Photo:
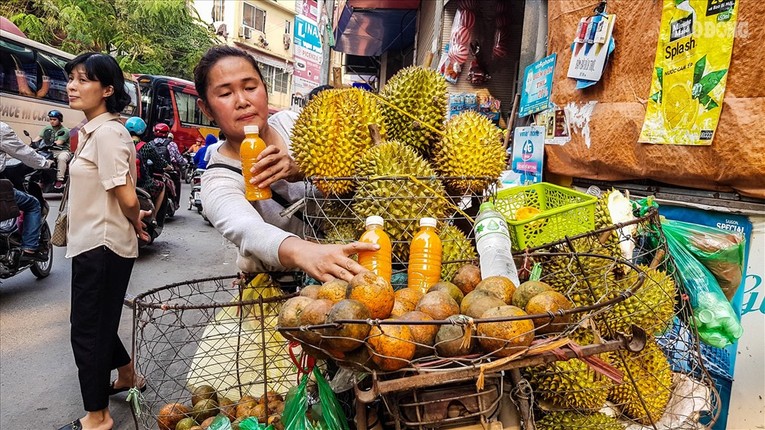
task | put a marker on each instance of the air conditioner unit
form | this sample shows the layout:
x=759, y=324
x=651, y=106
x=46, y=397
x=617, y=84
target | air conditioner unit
x=247, y=33
x=263, y=41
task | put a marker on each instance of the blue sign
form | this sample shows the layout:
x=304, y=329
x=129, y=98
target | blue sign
x=307, y=34
x=537, y=86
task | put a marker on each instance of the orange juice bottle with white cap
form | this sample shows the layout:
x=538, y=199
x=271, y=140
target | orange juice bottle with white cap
x=425, y=257
x=378, y=262
x=251, y=147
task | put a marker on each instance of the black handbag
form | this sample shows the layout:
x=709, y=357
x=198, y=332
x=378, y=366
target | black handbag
x=8, y=207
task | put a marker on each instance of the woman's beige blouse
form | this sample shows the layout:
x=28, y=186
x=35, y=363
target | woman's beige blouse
x=104, y=158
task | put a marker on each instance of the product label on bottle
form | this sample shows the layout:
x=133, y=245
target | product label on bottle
x=490, y=225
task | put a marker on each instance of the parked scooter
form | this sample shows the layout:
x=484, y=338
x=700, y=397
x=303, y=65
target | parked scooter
x=10, y=239
x=195, y=197
x=188, y=170
x=46, y=177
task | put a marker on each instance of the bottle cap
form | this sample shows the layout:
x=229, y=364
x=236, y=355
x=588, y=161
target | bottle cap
x=486, y=206
x=706, y=316
x=428, y=222
x=375, y=220
x=251, y=129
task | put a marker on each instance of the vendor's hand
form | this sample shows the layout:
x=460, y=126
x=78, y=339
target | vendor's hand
x=48, y=164
x=274, y=163
x=140, y=227
x=324, y=262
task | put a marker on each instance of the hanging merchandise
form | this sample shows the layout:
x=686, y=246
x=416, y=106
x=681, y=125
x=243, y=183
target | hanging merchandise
x=592, y=46
x=457, y=49
x=556, y=125
x=477, y=74
x=537, y=86
x=528, y=154
x=690, y=71
x=501, y=30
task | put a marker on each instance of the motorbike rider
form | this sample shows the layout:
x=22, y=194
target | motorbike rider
x=149, y=162
x=59, y=136
x=12, y=146
x=165, y=147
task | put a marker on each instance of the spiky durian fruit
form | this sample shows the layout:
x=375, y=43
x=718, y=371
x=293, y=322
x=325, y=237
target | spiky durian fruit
x=647, y=375
x=471, y=147
x=568, y=420
x=652, y=307
x=421, y=93
x=343, y=232
x=400, y=186
x=456, y=251
x=331, y=134
x=570, y=384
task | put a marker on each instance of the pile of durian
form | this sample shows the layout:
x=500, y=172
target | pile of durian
x=420, y=166
x=576, y=393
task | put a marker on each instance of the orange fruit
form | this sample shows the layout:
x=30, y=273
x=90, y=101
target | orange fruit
x=467, y=277
x=549, y=301
x=375, y=292
x=423, y=335
x=348, y=336
x=392, y=346
x=508, y=337
x=439, y=305
x=334, y=290
x=498, y=285
x=406, y=301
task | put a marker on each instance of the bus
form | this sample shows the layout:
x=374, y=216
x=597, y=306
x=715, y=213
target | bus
x=33, y=82
x=174, y=102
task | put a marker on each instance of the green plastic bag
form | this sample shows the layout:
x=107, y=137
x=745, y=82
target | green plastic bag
x=720, y=251
x=713, y=315
x=326, y=415
x=253, y=424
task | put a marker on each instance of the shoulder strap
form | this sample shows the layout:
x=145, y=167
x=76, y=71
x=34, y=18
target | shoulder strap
x=139, y=145
x=278, y=198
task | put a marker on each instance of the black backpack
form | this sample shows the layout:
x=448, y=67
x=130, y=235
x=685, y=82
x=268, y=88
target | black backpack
x=160, y=145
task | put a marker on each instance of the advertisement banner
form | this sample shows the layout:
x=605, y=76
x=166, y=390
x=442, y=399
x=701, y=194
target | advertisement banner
x=308, y=60
x=690, y=71
x=528, y=154
x=537, y=86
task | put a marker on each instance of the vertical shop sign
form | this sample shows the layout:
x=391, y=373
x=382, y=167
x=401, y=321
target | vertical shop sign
x=690, y=71
x=537, y=86
x=308, y=59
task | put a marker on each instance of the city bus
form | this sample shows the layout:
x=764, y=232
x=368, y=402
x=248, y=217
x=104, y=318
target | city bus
x=33, y=82
x=174, y=102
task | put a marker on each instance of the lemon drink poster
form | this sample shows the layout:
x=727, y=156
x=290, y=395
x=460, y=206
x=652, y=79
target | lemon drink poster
x=690, y=70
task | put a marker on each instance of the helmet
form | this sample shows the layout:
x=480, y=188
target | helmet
x=135, y=125
x=56, y=114
x=161, y=129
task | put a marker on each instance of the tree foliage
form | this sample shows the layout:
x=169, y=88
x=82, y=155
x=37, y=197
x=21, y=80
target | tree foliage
x=145, y=36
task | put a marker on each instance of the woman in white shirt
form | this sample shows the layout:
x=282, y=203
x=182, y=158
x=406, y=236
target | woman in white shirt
x=233, y=94
x=104, y=225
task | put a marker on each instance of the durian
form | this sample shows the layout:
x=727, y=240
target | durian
x=652, y=307
x=456, y=251
x=331, y=134
x=470, y=155
x=570, y=384
x=568, y=420
x=400, y=186
x=647, y=375
x=421, y=93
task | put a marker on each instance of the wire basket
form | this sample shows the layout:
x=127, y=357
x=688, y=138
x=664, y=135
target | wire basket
x=402, y=201
x=556, y=212
x=664, y=386
x=217, y=332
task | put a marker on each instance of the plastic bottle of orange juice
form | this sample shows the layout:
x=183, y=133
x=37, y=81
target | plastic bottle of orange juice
x=425, y=256
x=251, y=147
x=378, y=262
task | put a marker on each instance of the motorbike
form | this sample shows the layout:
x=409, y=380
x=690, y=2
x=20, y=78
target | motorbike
x=153, y=227
x=195, y=197
x=46, y=177
x=188, y=170
x=10, y=239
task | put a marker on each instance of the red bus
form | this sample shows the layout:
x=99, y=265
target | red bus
x=174, y=102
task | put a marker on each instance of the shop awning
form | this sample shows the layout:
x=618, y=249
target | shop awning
x=372, y=31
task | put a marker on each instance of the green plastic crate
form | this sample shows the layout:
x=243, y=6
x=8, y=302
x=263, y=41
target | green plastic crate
x=563, y=212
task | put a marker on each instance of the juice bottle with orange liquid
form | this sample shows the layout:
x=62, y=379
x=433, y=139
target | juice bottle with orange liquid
x=251, y=147
x=425, y=257
x=378, y=262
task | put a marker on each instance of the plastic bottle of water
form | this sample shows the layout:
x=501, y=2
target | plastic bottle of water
x=493, y=243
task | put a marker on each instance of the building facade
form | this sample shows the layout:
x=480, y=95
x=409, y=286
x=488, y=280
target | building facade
x=263, y=28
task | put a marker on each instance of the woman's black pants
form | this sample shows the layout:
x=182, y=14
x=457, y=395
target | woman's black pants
x=99, y=282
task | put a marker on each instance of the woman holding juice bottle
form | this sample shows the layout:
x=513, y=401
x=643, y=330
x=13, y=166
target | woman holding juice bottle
x=233, y=94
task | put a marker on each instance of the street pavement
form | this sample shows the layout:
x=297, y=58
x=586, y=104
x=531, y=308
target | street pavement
x=38, y=378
